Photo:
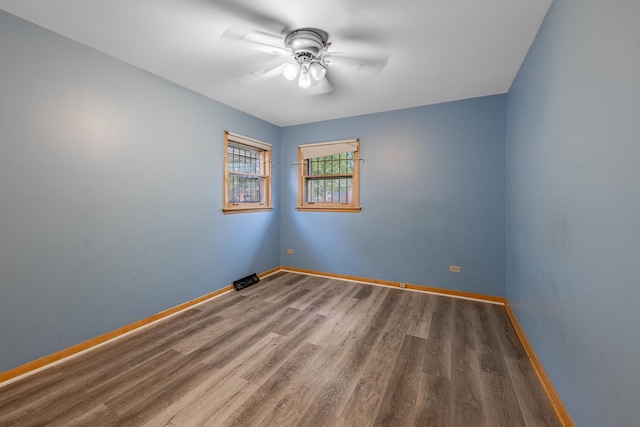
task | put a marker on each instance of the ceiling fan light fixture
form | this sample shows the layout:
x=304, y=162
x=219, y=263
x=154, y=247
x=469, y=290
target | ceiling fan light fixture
x=317, y=71
x=291, y=70
x=304, y=82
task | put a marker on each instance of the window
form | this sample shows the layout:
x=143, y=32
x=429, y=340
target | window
x=328, y=176
x=247, y=174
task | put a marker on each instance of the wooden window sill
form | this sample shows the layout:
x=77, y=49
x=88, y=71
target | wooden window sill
x=328, y=209
x=246, y=210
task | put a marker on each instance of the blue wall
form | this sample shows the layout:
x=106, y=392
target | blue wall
x=111, y=181
x=573, y=233
x=432, y=193
x=110, y=195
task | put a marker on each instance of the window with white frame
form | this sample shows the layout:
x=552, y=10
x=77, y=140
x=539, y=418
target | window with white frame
x=247, y=174
x=328, y=176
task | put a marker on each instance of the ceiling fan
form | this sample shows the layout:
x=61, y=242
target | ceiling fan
x=308, y=46
x=305, y=54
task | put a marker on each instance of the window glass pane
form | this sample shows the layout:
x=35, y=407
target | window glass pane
x=327, y=190
x=244, y=160
x=329, y=165
x=246, y=189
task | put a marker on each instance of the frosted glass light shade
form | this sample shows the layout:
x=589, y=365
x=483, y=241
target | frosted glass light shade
x=317, y=71
x=305, y=80
x=290, y=71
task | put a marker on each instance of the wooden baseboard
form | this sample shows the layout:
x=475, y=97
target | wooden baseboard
x=269, y=272
x=556, y=402
x=458, y=294
x=440, y=291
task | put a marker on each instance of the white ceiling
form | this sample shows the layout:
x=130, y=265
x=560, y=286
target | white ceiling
x=438, y=50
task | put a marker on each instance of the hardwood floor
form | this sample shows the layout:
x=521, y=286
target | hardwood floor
x=298, y=350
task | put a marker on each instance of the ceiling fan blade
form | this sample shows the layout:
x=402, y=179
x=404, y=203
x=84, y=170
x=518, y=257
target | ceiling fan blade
x=322, y=87
x=266, y=72
x=357, y=63
x=366, y=36
x=259, y=40
x=250, y=17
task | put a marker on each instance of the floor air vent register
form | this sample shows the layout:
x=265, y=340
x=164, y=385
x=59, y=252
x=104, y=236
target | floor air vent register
x=245, y=282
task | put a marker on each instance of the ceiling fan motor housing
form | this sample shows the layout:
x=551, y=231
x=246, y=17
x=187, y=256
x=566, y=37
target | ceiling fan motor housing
x=306, y=44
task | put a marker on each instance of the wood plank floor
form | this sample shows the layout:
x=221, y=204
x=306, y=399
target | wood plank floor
x=298, y=350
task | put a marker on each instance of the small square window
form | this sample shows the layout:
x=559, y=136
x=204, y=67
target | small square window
x=328, y=176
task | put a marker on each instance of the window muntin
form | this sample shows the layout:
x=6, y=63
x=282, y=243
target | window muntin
x=247, y=174
x=329, y=181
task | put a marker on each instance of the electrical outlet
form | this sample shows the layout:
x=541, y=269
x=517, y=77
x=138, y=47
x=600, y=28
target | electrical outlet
x=454, y=268
x=290, y=251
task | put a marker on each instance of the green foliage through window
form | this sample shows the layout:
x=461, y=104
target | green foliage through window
x=325, y=183
x=330, y=165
